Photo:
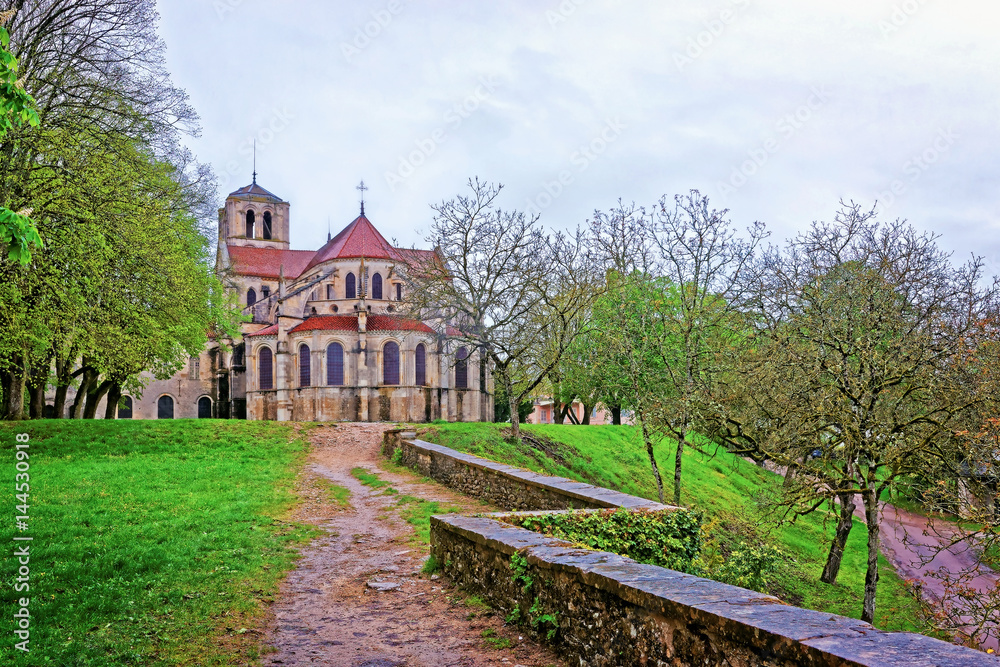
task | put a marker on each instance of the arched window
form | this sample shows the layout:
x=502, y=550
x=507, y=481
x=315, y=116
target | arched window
x=125, y=407
x=265, y=369
x=250, y=218
x=351, y=288
x=204, y=408
x=165, y=408
x=461, y=369
x=265, y=291
x=377, y=286
x=251, y=296
x=335, y=364
x=421, y=365
x=305, y=366
x=390, y=363
x=267, y=225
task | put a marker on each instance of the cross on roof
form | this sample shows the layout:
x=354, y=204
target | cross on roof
x=361, y=188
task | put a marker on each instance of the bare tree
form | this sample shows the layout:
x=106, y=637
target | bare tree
x=505, y=287
x=857, y=371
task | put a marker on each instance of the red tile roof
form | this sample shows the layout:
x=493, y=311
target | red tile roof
x=266, y=262
x=358, y=239
x=350, y=323
x=393, y=323
x=327, y=323
x=266, y=331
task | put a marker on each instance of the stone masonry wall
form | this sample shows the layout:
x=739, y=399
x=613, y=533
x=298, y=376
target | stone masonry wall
x=600, y=609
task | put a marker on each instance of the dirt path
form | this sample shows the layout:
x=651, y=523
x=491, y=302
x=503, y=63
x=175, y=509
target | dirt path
x=330, y=611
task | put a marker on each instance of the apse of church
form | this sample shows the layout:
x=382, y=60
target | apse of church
x=326, y=339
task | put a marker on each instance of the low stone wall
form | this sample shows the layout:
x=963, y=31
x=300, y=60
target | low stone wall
x=501, y=485
x=600, y=609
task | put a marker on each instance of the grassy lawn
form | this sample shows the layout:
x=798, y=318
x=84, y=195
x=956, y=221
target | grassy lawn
x=614, y=457
x=155, y=542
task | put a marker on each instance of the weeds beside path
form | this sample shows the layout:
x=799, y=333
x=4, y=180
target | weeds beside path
x=357, y=597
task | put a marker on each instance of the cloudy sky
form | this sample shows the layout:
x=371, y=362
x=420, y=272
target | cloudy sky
x=776, y=109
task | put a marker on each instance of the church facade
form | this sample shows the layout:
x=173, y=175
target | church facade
x=326, y=338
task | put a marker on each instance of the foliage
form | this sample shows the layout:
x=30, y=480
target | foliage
x=669, y=539
x=154, y=542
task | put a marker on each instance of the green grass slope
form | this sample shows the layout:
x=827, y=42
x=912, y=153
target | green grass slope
x=614, y=457
x=155, y=542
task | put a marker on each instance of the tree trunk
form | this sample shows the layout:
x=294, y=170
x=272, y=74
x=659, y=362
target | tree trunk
x=94, y=398
x=14, y=394
x=114, y=395
x=677, y=467
x=652, y=458
x=59, y=404
x=560, y=410
x=871, y=575
x=844, y=525
x=586, y=414
x=616, y=415
x=64, y=375
x=515, y=416
x=88, y=379
x=37, y=383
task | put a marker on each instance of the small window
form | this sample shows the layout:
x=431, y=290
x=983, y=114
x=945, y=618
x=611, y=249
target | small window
x=194, y=369
x=305, y=366
x=204, y=408
x=335, y=364
x=377, y=286
x=251, y=296
x=266, y=369
x=420, y=366
x=265, y=291
x=329, y=292
x=462, y=369
x=267, y=225
x=390, y=363
x=351, y=287
x=238, y=353
x=165, y=408
x=399, y=291
x=250, y=220
x=125, y=407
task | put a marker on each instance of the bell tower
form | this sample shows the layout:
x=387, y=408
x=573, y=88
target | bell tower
x=254, y=217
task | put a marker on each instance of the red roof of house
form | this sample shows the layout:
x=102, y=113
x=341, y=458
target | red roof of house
x=350, y=323
x=266, y=331
x=267, y=262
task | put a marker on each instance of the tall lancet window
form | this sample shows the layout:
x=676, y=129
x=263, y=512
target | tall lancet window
x=250, y=220
x=390, y=363
x=305, y=366
x=251, y=296
x=420, y=365
x=265, y=369
x=462, y=369
x=351, y=288
x=377, y=286
x=267, y=225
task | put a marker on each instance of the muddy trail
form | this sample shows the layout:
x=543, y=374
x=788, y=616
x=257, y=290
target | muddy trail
x=357, y=597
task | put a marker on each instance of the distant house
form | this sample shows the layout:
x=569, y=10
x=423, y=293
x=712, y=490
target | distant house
x=546, y=412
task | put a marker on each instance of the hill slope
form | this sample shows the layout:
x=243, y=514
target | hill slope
x=720, y=484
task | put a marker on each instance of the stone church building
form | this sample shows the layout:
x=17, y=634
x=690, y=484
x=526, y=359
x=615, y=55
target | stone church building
x=325, y=340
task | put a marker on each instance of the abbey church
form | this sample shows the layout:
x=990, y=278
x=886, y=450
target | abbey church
x=326, y=338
